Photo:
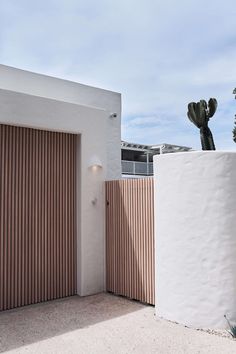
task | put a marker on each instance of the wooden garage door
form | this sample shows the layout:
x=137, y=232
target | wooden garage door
x=37, y=216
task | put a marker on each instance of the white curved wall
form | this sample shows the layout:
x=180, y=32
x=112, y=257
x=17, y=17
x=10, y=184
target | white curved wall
x=195, y=231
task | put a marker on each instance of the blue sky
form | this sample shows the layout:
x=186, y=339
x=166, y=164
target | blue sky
x=160, y=54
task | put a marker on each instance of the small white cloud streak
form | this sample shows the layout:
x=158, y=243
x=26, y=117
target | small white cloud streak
x=142, y=121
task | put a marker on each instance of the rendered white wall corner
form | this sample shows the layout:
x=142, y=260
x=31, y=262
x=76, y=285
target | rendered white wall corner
x=195, y=237
x=38, y=85
x=42, y=102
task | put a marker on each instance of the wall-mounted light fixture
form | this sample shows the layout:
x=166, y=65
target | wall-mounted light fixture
x=113, y=115
x=95, y=163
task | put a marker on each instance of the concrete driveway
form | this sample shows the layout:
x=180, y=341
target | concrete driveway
x=101, y=323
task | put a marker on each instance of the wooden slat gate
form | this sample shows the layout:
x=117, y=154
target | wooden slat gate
x=130, y=238
x=37, y=216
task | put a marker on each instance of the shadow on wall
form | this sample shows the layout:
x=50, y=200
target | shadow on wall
x=34, y=323
x=130, y=239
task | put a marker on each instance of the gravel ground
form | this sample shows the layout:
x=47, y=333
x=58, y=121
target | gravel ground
x=102, y=323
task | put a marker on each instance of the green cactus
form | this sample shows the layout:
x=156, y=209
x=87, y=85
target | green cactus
x=199, y=114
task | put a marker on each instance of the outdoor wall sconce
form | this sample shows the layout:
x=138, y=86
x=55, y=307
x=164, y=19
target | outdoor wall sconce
x=113, y=115
x=95, y=163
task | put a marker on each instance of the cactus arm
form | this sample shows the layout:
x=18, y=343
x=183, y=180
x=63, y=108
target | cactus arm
x=190, y=116
x=198, y=113
x=192, y=113
x=201, y=113
x=212, y=104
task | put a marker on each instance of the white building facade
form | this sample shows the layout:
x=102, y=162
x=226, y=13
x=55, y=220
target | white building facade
x=46, y=103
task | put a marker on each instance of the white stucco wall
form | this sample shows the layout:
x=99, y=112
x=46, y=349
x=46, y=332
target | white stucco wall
x=195, y=223
x=37, y=101
x=34, y=84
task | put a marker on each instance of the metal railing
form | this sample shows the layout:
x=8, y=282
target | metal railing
x=137, y=168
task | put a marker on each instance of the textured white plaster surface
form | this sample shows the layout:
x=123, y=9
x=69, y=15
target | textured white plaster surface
x=195, y=237
x=38, y=101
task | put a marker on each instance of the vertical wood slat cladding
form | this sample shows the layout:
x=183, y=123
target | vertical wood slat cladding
x=37, y=216
x=130, y=238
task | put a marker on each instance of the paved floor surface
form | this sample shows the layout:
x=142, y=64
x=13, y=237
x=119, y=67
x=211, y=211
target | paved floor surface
x=101, y=323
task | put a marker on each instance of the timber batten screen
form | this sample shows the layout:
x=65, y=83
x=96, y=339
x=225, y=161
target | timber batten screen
x=37, y=216
x=130, y=238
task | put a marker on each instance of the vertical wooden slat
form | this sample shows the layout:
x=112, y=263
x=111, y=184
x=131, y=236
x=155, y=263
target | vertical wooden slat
x=41, y=216
x=130, y=238
x=60, y=234
x=37, y=216
x=26, y=221
x=19, y=225
x=8, y=230
x=1, y=215
x=49, y=179
x=64, y=243
x=68, y=213
x=75, y=196
x=15, y=218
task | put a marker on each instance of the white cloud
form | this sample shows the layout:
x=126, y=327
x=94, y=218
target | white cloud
x=160, y=54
